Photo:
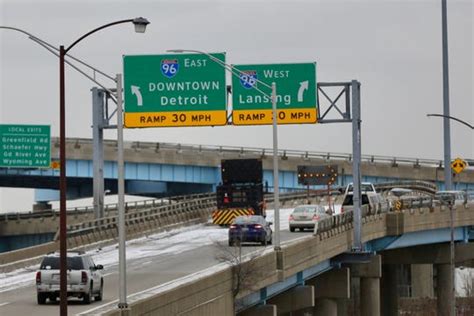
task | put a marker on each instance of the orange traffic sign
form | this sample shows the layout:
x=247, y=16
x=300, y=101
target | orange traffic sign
x=54, y=164
x=458, y=165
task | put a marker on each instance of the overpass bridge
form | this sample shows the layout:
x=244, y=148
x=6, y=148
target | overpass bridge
x=162, y=169
x=19, y=230
x=313, y=273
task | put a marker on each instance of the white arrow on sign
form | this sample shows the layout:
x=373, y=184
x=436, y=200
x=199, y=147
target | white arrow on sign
x=303, y=86
x=137, y=93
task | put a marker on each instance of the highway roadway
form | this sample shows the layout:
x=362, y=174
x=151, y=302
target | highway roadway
x=151, y=261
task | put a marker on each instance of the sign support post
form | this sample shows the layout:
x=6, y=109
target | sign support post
x=356, y=149
x=276, y=185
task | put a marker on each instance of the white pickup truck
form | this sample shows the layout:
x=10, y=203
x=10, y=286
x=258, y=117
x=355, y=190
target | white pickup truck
x=84, y=278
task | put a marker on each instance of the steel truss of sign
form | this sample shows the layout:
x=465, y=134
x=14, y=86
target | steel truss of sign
x=334, y=102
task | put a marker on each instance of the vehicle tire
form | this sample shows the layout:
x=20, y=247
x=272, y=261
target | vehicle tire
x=99, y=296
x=86, y=299
x=41, y=298
x=292, y=229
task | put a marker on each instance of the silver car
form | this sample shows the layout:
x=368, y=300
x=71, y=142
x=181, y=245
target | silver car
x=307, y=216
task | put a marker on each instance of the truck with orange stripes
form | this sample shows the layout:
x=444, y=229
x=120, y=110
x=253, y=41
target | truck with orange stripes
x=241, y=190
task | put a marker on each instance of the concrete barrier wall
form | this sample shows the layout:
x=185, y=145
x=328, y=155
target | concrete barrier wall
x=25, y=257
x=420, y=219
x=259, y=271
x=210, y=295
x=39, y=225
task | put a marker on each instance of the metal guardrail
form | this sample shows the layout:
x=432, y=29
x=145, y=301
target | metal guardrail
x=416, y=185
x=108, y=208
x=255, y=151
x=146, y=212
x=407, y=203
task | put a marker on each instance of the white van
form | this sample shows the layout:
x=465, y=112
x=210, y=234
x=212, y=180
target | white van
x=373, y=202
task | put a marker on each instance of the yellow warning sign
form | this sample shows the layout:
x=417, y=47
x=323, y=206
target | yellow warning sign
x=54, y=164
x=458, y=165
x=265, y=117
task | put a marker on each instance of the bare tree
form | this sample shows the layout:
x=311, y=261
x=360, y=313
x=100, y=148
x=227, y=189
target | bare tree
x=244, y=269
x=468, y=284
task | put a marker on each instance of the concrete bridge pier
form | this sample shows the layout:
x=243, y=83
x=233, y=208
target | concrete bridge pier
x=331, y=289
x=294, y=299
x=369, y=274
x=325, y=307
x=422, y=280
x=262, y=310
x=443, y=289
x=389, y=289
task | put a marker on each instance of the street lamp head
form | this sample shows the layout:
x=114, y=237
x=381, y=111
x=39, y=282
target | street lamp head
x=175, y=50
x=140, y=24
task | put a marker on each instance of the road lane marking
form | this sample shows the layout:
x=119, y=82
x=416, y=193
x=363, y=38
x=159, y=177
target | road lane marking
x=3, y=304
x=98, y=307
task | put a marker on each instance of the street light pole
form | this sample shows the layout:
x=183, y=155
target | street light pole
x=62, y=189
x=140, y=25
x=451, y=214
x=451, y=261
x=121, y=203
x=448, y=179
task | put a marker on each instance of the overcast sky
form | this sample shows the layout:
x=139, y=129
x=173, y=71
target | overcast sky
x=392, y=47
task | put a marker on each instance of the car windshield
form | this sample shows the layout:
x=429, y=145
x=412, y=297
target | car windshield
x=73, y=263
x=349, y=201
x=364, y=187
x=308, y=209
x=248, y=220
x=304, y=209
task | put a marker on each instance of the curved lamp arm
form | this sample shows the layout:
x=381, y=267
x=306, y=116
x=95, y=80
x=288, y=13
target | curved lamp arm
x=137, y=22
x=54, y=50
x=452, y=118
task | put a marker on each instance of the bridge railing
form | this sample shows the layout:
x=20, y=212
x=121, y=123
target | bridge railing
x=146, y=211
x=108, y=208
x=256, y=151
x=417, y=185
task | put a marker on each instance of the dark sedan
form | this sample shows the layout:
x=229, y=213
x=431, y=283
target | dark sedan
x=252, y=228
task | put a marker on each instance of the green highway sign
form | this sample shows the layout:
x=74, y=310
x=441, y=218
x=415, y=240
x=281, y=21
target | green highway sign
x=295, y=89
x=25, y=146
x=174, y=90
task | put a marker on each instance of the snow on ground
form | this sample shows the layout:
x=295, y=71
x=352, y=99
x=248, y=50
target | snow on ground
x=171, y=242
